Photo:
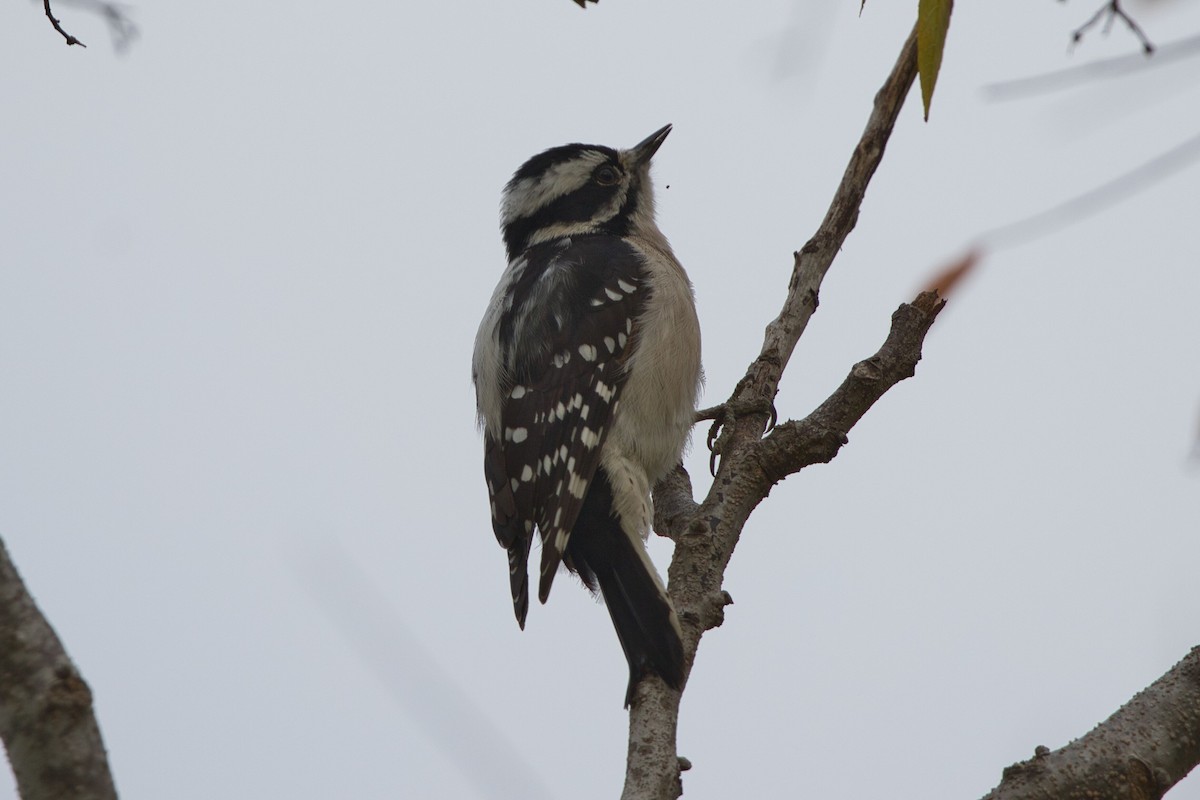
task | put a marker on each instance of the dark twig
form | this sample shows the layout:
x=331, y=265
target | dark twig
x=1110, y=12
x=115, y=15
x=120, y=27
x=49, y=15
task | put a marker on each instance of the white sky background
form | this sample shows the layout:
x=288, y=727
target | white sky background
x=241, y=271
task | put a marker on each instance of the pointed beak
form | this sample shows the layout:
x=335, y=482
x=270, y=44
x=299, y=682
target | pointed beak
x=643, y=151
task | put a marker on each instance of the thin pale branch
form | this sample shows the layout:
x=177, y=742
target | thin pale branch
x=46, y=718
x=813, y=260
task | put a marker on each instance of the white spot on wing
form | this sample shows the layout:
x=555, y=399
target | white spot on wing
x=589, y=438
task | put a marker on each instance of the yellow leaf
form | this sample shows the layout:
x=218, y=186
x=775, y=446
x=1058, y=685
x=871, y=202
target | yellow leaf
x=933, y=20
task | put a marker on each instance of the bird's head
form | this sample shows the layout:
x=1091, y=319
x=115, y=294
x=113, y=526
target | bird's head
x=578, y=189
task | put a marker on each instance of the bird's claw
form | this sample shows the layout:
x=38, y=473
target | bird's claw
x=723, y=417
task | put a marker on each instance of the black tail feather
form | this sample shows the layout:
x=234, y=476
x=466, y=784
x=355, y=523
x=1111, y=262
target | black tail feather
x=605, y=558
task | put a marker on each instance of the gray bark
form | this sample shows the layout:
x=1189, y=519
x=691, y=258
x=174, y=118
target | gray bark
x=705, y=535
x=46, y=719
x=1140, y=752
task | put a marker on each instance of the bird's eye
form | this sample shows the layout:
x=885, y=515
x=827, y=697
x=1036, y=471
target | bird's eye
x=607, y=175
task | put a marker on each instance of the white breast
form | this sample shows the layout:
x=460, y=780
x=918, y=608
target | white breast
x=658, y=401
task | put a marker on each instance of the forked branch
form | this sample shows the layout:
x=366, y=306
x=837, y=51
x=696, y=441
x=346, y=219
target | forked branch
x=706, y=534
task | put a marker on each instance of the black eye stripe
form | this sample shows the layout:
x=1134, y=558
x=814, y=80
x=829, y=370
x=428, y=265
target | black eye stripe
x=578, y=206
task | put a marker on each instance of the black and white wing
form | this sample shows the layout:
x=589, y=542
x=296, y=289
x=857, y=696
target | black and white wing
x=569, y=327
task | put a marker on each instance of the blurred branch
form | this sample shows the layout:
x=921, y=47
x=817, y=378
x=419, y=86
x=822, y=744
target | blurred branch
x=46, y=718
x=1104, y=68
x=376, y=632
x=1094, y=201
x=707, y=534
x=1141, y=751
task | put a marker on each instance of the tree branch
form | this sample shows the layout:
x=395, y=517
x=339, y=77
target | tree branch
x=1080, y=74
x=1141, y=751
x=706, y=535
x=46, y=718
x=817, y=438
x=813, y=260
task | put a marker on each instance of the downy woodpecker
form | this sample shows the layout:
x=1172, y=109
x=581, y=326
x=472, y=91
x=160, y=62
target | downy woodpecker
x=586, y=370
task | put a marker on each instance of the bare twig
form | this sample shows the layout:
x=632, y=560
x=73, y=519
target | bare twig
x=46, y=718
x=49, y=15
x=116, y=16
x=1110, y=12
